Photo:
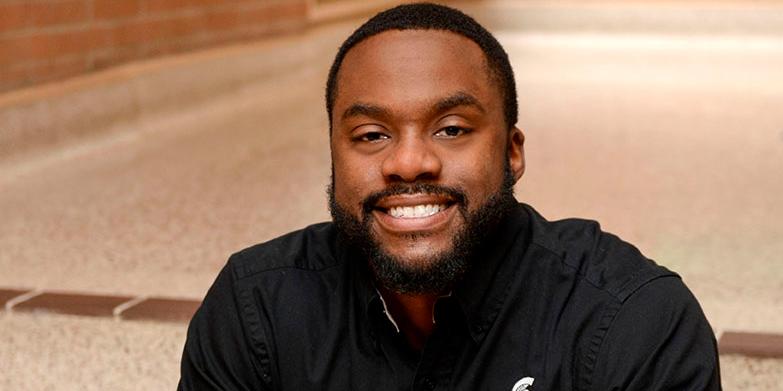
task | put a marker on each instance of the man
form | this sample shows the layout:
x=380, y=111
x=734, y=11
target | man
x=431, y=276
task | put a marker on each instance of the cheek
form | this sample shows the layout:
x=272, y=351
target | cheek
x=483, y=179
x=479, y=175
x=353, y=181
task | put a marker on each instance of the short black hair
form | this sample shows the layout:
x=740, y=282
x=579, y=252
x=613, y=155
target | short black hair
x=428, y=16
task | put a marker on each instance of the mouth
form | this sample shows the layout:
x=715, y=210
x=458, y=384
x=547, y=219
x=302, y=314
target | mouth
x=414, y=212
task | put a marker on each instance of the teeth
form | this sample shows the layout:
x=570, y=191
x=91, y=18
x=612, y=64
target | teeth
x=412, y=212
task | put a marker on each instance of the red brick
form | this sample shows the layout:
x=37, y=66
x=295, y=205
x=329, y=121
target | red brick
x=246, y=23
x=174, y=46
x=114, y=55
x=751, y=344
x=107, y=37
x=53, y=45
x=38, y=71
x=13, y=50
x=8, y=294
x=57, y=68
x=128, y=33
x=31, y=72
x=125, y=34
x=73, y=304
x=12, y=78
x=13, y=17
x=172, y=5
x=178, y=27
x=100, y=37
x=293, y=11
x=115, y=9
x=23, y=15
x=11, y=85
x=160, y=309
x=146, y=32
x=268, y=17
x=42, y=46
x=222, y=20
x=52, y=13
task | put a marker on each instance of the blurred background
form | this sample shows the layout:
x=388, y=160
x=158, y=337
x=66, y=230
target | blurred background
x=144, y=141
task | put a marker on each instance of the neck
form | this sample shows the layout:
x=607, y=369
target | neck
x=413, y=314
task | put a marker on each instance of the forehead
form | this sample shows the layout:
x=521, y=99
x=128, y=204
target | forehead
x=412, y=65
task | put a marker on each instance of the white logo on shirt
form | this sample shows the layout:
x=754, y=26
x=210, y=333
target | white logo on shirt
x=523, y=384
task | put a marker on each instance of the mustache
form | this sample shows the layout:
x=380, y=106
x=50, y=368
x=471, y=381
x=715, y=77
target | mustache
x=454, y=193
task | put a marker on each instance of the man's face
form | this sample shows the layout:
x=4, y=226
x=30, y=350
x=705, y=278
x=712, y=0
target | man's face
x=419, y=144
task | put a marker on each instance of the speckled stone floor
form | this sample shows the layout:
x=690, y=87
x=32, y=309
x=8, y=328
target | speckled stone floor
x=672, y=139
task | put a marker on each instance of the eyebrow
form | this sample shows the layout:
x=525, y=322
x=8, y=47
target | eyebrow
x=457, y=99
x=365, y=109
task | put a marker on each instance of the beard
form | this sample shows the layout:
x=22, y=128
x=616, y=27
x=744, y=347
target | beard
x=444, y=268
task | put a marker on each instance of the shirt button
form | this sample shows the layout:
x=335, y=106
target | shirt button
x=428, y=383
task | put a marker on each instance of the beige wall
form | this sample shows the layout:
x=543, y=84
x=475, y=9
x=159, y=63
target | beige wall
x=45, y=40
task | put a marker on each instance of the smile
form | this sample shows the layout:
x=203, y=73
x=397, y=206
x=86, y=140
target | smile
x=416, y=211
x=409, y=213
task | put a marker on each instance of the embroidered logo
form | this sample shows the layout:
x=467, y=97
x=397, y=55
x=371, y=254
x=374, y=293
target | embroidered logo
x=523, y=384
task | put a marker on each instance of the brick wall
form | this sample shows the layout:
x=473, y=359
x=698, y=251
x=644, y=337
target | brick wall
x=45, y=40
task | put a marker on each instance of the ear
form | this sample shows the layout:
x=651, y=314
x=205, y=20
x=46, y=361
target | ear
x=516, y=152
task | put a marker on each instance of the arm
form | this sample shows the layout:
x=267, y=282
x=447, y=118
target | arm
x=659, y=340
x=218, y=354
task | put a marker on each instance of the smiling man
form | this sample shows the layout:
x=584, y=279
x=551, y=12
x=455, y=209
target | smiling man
x=431, y=275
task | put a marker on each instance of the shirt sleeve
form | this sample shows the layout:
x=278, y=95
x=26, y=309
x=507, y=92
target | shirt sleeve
x=218, y=354
x=659, y=340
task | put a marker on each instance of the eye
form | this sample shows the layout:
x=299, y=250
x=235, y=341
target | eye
x=451, y=132
x=372, y=137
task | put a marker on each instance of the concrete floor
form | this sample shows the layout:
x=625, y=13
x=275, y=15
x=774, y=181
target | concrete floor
x=59, y=352
x=672, y=139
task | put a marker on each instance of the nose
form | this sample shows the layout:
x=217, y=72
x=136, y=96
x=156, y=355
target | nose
x=410, y=159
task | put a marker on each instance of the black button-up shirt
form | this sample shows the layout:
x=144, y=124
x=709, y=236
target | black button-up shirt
x=561, y=305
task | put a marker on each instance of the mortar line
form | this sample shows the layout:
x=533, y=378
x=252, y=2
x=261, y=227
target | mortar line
x=9, y=305
x=118, y=310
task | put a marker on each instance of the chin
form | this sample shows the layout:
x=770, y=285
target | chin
x=416, y=249
x=416, y=258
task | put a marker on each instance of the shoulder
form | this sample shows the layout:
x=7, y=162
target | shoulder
x=659, y=339
x=311, y=248
x=599, y=258
x=230, y=342
x=638, y=319
x=294, y=280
